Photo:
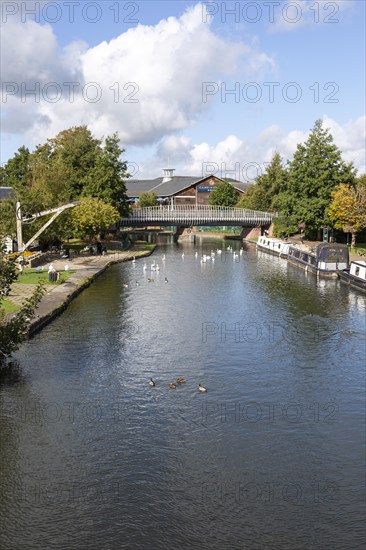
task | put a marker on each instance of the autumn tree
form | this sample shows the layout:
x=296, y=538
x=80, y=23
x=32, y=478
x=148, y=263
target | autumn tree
x=347, y=210
x=224, y=194
x=92, y=217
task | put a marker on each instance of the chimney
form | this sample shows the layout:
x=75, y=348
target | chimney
x=168, y=174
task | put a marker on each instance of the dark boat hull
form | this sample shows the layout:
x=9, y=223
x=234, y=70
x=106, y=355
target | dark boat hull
x=351, y=280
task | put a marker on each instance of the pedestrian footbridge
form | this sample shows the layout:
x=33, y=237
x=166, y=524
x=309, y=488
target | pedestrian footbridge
x=202, y=215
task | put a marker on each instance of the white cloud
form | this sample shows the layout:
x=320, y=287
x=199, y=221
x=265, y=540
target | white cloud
x=244, y=159
x=351, y=139
x=149, y=79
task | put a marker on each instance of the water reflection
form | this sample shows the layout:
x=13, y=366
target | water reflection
x=270, y=457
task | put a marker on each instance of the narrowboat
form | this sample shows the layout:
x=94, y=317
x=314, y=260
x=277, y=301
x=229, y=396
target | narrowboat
x=325, y=260
x=355, y=276
x=273, y=246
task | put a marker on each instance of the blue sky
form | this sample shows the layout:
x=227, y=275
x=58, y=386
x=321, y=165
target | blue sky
x=160, y=74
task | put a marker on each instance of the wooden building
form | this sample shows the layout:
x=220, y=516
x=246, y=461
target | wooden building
x=179, y=190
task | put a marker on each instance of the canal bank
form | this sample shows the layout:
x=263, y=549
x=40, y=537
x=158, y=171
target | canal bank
x=87, y=269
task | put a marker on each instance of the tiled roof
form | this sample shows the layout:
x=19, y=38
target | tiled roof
x=168, y=188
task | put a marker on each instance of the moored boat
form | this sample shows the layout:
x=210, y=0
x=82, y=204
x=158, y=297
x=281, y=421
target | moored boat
x=273, y=246
x=355, y=276
x=326, y=260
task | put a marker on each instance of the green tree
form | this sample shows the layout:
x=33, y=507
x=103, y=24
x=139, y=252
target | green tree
x=105, y=180
x=7, y=218
x=347, y=210
x=267, y=187
x=315, y=171
x=92, y=217
x=224, y=194
x=16, y=172
x=148, y=199
x=66, y=167
x=255, y=198
x=14, y=331
x=77, y=150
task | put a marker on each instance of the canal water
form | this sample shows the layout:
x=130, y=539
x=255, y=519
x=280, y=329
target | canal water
x=271, y=457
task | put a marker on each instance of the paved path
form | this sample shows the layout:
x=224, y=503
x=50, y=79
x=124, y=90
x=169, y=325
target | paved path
x=57, y=297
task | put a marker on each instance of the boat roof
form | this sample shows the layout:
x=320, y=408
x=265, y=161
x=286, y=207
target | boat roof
x=359, y=262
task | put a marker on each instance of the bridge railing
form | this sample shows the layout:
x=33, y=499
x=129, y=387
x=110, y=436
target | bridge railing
x=204, y=213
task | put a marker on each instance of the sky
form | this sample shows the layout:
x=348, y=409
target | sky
x=210, y=87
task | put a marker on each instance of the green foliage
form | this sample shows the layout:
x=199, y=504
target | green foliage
x=315, y=171
x=13, y=332
x=267, y=187
x=71, y=165
x=8, y=270
x=16, y=172
x=284, y=225
x=148, y=199
x=105, y=180
x=347, y=210
x=7, y=218
x=92, y=217
x=224, y=194
x=77, y=151
x=302, y=191
x=255, y=198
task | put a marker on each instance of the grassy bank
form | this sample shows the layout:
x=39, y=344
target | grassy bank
x=33, y=277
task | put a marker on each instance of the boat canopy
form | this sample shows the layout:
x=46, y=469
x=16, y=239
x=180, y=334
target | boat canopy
x=334, y=252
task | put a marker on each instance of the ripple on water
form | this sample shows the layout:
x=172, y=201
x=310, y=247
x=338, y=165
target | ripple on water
x=269, y=458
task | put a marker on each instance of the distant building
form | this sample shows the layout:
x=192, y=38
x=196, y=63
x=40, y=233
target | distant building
x=180, y=190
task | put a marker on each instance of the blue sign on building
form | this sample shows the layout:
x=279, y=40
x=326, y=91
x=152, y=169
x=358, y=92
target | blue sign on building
x=205, y=188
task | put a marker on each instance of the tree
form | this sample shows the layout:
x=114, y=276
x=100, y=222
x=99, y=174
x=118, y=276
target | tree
x=66, y=167
x=347, y=211
x=267, y=187
x=315, y=171
x=92, y=217
x=105, y=180
x=224, y=194
x=16, y=172
x=254, y=198
x=77, y=151
x=7, y=218
x=148, y=199
x=14, y=331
